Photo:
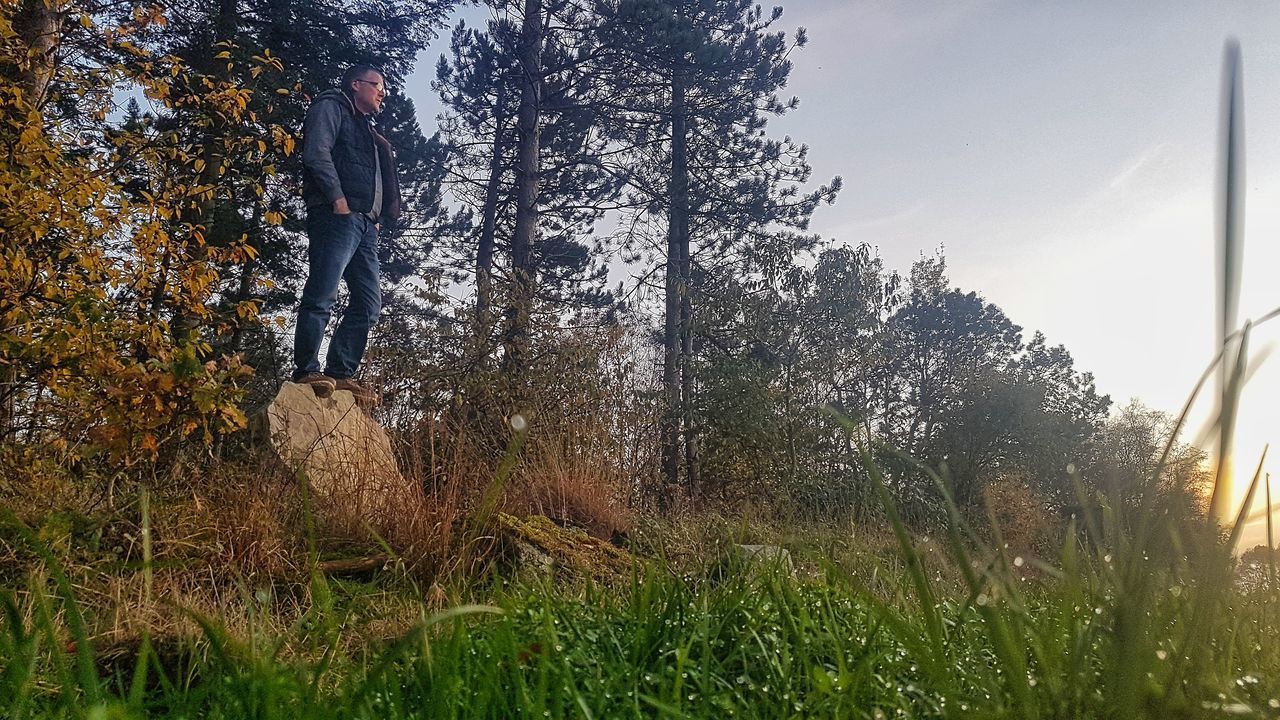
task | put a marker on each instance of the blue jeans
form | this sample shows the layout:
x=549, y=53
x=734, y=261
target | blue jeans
x=339, y=247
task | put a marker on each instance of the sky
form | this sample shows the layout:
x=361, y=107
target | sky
x=1063, y=154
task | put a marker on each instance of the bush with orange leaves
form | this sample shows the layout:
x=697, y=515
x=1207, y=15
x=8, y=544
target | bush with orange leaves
x=110, y=290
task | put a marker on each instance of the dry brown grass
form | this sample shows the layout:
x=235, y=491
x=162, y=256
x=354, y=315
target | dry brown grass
x=1026, y=525
x=228, y=533
x=572, y=487
x=243, y=523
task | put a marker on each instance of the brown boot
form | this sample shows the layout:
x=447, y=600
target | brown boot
x=322, y=385
x=366, y=397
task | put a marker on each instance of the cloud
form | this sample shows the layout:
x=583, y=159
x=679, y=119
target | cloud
x=1150, y=156
x=868, y=28
x=894, y=218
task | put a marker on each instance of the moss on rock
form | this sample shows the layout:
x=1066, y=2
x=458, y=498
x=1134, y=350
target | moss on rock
x=535, y=543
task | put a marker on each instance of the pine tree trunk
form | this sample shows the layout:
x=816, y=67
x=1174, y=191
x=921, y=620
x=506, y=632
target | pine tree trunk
x=8, y=402
x=686, y=350
x=488, y=225
x=793, y=461
x=678, y=191
x=523, y=273
x=38, y=23
x=244, y=289
x=226, y=26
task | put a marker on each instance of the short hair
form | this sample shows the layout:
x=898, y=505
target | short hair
x=358, y=72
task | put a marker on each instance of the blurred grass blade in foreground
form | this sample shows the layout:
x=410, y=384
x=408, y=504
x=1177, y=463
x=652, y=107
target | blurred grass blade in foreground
x=1230, y=246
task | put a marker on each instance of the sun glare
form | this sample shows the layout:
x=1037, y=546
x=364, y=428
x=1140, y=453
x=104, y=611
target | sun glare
x=1258, y=420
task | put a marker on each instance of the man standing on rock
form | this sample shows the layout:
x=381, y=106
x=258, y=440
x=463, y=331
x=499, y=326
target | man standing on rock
x=350, y=188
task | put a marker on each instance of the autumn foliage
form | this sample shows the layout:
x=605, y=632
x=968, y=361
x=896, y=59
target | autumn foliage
x=111, y=292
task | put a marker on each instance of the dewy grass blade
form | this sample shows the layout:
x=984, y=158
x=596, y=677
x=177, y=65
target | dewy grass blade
x=1212, y=590
x=410, y=640
x=90, y=683
x=1271, y=543
x=664, y=708
x=138, y=685
x=20, y=649
x=1009, y=651
x=1233, y=379
x=1230, y=204
x=1237, y=528
x=934, y=627
x=1005, y=640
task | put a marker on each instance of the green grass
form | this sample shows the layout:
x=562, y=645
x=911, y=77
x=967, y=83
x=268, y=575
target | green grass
x=1114, y=629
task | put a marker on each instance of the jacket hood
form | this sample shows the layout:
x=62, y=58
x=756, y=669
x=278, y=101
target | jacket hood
x=337, y=96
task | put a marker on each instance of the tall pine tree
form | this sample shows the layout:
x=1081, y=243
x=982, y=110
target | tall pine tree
x=694, y=82
x=520, y=120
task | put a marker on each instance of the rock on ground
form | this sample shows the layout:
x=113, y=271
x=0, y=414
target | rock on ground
x=764, y=555
x=345, y=456
x=535, y=546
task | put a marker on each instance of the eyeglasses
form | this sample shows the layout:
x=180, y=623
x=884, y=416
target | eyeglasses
x=378, y=85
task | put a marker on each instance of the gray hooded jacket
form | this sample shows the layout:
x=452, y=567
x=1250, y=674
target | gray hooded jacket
x=343, y=156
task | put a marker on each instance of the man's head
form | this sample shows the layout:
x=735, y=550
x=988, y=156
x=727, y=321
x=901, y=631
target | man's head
x=366, y=86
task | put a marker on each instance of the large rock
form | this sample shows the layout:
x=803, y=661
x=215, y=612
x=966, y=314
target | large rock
x=346, y=456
